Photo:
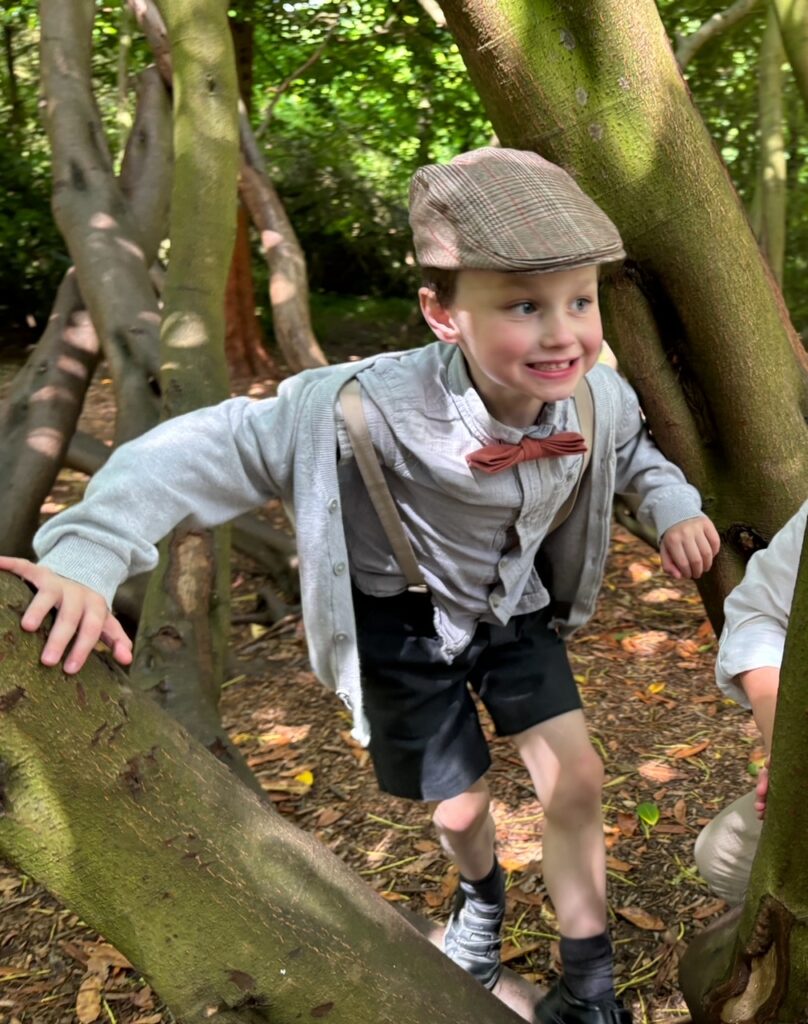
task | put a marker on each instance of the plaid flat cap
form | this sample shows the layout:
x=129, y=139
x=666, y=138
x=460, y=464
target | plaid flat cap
x=509, y=210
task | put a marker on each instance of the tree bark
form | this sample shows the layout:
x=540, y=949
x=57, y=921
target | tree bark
x=288, y=280
x=771, y=187
x=39, y=416
x=754, y=967
x=231, y=913
x=17, y=115
x=180, y=654
x=91, y=213
x=244, y=340
x=288, y=285
x=793, y=18
x=696, y=321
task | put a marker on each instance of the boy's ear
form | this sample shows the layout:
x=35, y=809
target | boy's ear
x=438, y=316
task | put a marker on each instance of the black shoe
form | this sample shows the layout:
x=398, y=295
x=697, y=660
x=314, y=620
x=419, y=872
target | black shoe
x=472, y=938
x=560, y=1006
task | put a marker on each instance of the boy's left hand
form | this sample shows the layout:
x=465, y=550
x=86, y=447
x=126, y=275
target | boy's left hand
x=688, y=548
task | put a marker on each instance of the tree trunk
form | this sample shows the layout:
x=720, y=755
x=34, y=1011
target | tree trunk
x=695, y=318
x=17, y=115
x=771, y=186
x=231, y=913
x=793, y=18
x=244, y=340
x=90, y=210
x=288, y=286
x=182, y=639
x=754, y=968
x=39, y=416
x=288, y=279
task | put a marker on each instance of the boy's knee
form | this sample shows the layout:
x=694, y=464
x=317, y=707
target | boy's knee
x=725, y=849
x=577, y=793
x=462, y=815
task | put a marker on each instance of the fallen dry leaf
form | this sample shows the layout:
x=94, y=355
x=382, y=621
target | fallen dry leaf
x=281, y=735
x=640, y=572
x=613, y=864
x=680, y=812
x=143, y=999
x=661, y=595
x=680, y=752
x=88, y=1000
x=658, y=771
x=328, y=816
x=641, y=918
x=104, y=956
x=713, y=907
x=652, y=641
x=531, y=899
x=627, y=823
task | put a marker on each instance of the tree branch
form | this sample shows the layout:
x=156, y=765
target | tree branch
x=688, y=46
x=266, y=116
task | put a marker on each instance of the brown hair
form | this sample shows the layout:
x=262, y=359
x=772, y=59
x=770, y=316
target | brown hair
x=441, y=282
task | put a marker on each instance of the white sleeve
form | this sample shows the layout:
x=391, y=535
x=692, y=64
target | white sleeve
x=756, y=613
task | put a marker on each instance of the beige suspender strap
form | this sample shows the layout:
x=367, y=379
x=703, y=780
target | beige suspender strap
x=350, y=400
x=586, y=421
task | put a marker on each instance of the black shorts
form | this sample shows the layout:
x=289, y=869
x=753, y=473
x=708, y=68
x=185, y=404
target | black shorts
x=426, y=741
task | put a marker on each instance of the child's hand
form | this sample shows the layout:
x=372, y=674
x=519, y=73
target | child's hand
x=82, y=614
x=689, y=547
x=762, y=791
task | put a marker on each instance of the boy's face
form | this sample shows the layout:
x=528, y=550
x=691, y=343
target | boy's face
x=527, y=338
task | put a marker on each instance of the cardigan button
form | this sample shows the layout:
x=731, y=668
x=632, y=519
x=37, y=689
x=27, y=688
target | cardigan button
x=339, y=568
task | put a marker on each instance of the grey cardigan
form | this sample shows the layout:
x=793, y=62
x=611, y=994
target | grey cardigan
x=216, y=463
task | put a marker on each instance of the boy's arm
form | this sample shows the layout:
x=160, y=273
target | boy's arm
x=669, y=504
x=756, y=616
x=211, y=465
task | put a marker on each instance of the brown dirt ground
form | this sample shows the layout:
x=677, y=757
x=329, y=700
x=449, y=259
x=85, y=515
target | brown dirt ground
x=644, y=664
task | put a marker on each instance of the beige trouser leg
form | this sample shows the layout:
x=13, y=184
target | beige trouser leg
x=726, y=848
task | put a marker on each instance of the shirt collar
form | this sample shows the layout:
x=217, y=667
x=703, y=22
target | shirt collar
x=554, y=416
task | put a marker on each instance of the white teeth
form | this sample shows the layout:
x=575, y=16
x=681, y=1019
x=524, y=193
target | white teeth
x=553, y=366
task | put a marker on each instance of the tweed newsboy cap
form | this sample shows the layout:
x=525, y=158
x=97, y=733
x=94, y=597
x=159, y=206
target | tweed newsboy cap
x=509, y=210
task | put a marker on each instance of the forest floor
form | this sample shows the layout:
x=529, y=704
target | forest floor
x=671, y=744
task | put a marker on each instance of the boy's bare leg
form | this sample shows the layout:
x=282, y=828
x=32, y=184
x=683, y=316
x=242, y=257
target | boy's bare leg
x=466, y=830
x=568, y=776
x=467, y=834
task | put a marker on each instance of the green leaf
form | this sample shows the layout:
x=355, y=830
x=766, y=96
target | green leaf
x=648, y=814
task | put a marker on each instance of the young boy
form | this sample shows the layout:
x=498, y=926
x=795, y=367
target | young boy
x=756, y=616
x=510, y=248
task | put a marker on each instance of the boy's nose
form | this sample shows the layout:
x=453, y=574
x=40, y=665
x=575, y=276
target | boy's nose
x=557, y=332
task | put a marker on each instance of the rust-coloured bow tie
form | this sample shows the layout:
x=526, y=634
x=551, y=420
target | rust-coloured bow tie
x=493, y=458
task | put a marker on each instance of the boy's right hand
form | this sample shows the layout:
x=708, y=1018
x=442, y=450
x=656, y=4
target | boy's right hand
x=82, y=613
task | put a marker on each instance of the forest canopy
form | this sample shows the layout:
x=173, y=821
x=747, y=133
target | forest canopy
x=346, y=99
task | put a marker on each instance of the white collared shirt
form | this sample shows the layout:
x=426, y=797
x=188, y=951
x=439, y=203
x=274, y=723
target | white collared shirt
x=756, y=613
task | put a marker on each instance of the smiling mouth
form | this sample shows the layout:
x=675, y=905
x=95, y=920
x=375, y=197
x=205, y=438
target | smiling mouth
x=557, y=367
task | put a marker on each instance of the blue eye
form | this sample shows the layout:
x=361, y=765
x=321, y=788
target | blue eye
x=527, y=308
x=581, y=305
